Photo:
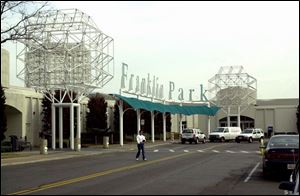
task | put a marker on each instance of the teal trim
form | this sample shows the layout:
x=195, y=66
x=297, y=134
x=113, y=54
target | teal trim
x=173, y=109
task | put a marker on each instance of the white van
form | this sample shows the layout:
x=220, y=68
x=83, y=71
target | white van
x=224, y=133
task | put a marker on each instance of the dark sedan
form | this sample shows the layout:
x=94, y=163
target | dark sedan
x=281, y=154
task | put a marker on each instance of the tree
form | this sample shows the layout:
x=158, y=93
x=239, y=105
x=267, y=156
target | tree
x=3, y=122
x=46, y=113
x=116, y=122
x=14, y=18
x=298, y=118
x=96, y=117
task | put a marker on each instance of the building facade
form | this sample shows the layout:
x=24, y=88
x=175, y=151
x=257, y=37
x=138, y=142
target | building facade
x=24, y=107
x=280, y=114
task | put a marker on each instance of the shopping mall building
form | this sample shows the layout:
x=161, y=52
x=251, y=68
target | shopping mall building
x=23, y=110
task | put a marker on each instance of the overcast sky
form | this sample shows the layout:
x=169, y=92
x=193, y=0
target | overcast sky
x=188, y=42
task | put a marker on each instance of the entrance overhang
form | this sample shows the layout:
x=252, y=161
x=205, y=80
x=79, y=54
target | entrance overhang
x=138, y=104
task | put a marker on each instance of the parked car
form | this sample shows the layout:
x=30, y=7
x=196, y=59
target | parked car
x=224, y=133
x=192, y=135
x=250, y=134
x=280, y=154
x=285, y=132
x=291, y=187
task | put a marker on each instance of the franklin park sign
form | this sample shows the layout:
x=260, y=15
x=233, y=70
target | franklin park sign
x=151, y=88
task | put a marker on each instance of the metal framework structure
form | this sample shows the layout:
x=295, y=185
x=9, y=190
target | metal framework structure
x=65, y=52
x=232, y=89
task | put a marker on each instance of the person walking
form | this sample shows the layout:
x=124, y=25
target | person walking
x=140, y=138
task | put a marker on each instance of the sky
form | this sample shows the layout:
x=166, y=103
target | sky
x=187, y=42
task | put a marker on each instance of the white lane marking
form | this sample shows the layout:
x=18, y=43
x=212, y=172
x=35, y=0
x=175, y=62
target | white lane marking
x=249, y=176
x=242, y=151
x=229, y=151
x=215, y=151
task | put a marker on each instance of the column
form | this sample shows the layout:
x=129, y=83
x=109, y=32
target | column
x=121, y=121
x=53, y=126
x=72, y=126
x=78, y=128
x=208, y=122
x=180, y=123
x=60, y=127
x=239, y=117
x=138, y=118
x=152, y=126
x=228, y=117
x=208, y=126
x=164, y=127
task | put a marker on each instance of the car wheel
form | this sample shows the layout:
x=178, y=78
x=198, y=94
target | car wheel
x=250, y=140
x=204, y=140
x=222, y=139
x=265, y=173
x=183, y=141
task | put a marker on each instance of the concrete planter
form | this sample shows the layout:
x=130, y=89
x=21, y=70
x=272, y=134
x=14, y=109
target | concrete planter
x=105, y=141
x=43, y=146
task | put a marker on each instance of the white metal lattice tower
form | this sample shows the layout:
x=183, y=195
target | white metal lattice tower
x=232, y=89
x=66, y=53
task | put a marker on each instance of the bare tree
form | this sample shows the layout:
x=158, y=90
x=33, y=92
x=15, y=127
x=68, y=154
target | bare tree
x=14, y=18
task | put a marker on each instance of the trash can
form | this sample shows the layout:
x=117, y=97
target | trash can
x=270, y=131
x=77, y=144
x=172, y=136
x=14, y=142
x=105, y=141
x=43, y=146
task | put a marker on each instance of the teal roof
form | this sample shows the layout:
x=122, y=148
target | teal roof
x=173, y=109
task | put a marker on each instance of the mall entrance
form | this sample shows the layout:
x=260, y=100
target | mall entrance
x=246, y=122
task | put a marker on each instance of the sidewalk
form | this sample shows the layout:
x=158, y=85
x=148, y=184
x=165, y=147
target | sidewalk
x=17, y=158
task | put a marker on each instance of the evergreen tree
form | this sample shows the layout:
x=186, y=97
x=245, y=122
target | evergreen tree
x=46, y=113
x=3, y=122
x=116, y=123
x=96, y=117
x=298, y=118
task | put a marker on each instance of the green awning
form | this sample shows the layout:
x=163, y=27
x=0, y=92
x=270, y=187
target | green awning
x=173, y=108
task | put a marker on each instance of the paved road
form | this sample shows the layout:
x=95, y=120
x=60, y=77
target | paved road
x=211, y=168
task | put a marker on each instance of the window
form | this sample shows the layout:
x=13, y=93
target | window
x=187, y=131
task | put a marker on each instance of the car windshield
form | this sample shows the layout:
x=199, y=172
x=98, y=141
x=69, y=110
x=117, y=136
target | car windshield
x=187, y=131
x=219, y=130
x=286, y=141
x=247, y=131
